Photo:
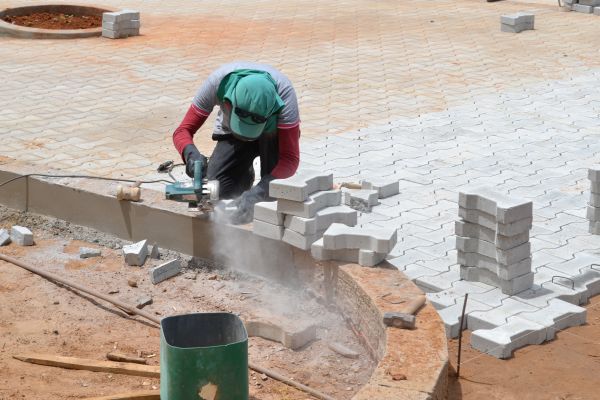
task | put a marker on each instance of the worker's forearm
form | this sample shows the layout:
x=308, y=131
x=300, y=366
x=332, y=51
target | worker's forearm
x=184, y=134
x=289, y=151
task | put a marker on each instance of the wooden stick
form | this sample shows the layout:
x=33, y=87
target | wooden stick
x=125, y=358
x=415, y=304
x=145, y=395
x=149, y=371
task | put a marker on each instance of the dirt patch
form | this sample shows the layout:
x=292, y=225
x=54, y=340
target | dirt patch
x=40, y=317
x=566, y=368
x=53, y=20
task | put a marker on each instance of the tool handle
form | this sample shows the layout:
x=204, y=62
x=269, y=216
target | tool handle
x=197, y=175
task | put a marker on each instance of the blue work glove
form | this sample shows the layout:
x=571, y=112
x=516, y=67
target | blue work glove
x=191, y=155
x=245, y=203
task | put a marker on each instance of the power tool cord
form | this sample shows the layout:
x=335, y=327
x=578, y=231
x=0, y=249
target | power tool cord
x=83, y=177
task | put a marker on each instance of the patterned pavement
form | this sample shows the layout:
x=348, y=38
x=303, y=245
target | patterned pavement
x=430, y=93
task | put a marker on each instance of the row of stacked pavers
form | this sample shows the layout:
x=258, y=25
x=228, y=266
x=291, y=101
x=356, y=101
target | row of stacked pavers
x=583, y=6
x=593, y=209
x=120, y=24
x=492, y=240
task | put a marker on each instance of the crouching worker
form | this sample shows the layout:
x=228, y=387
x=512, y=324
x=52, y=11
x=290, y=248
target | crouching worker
x=258, y=117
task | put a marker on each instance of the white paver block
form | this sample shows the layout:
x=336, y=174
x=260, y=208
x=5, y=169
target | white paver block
x=266, y=211
x=308, y=209
x=593, y=213
x=517, y=18
x=154, y=251
x=499, y=315
x=594, y=198
x=508, y=286
x=594, y=228
x=384, y=188
x=506, y=257
x=119, y=16
x=366, y=258
x=489, y=221
x=298, y=240
x=594, y=174
x=21, y=235
x=86, y=252
x=592, y=3
x=451, y=316
x=470, y=230
x=582, y=8
x=556, y=316
x=504, y=271
x=322, y=220
x=506, y=209
x=502, y=341
x=301, y=185
x=267, y=230
x=360, y=199
x=339, y=236
x=136, y=253
x=4, y=237
x=165, y=271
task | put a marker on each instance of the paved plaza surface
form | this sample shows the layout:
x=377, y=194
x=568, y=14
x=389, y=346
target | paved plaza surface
x=429, y=93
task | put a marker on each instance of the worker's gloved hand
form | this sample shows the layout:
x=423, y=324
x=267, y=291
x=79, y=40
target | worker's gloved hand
x=245, y=203
x=191, y=155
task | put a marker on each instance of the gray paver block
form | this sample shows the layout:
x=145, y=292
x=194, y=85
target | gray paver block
x=366, y=258
x=504, y=257
x=339, y=236
x=165, y=271
x=470, y=230
x=592, y=3
x=266, y=211
x=120, y=25
x=21, y=235
x=516, y=28
x=4, y=237
x=322, y=220
x=267, y=230
x=517, y=18
x=502, y=341
x=594, y=228
x=451, y=315
x=506, y=209
x=298, y=240
x=489, y=221
x=593, y=213
x=594, y=200
x=360, y=199
x=582, y=8
x=290, y=339
x=86, y=252
x=121, y=15
x=154, y=251
x=508, y=286
x=315, y=202
x=301, y=185
x=136, y=253
x=594, y=174
x=504, y=271
x=556, y=316
x=596, y=10
x=384, y=188
x=499, y=315
x=399, y=320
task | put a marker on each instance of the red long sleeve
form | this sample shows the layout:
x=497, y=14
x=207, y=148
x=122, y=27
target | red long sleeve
x=184, y=134
x=289, y=151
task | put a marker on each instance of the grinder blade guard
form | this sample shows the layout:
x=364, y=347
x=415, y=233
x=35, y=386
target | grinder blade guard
x=194, y=193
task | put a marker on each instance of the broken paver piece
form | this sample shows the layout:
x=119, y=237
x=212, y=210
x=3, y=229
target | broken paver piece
x=315, y=202
x=301, y=185
x=86, y=252
x=135, y=254
x=322, y=220
x=165, y=271
x=143, y=302
x=21, y=235
x=154, y=252
x=366, y=258
x=360, y=199
x=399, y=320
x=4, y=237
x=384, y=188
x=291, y=340
x=339, y=236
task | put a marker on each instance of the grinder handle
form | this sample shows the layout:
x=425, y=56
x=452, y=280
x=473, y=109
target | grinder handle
x=197, y=175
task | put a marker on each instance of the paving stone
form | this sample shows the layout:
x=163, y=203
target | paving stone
x=594, y=200
x=596, y=10
x=451, y=315
x=154, y=251
x=594, y=170
x=516, y=28
x=292, y=339
x=339, y=236
x=506, y=209
x=439, y=282
x=4, y=237
x=489, y=221
x=165, y=271
x=301, y=185
x=556, y=316
x=503, y=271
x=582, y=8
x=366, y=258
x=322, y=220
x=21, y=235
x=593, y=213
x=502, y=341
x=119, y=16
x=594, y=228
x=497, y=316
x=509, y=286
x=492, y=298
x=117, y=26
x=518, y=18
x=143, y=301
x=135, y=254
x=360, y=199
x=505, y=257
x=267, y=230
x=86, y=252
x=385, y=188
x=308, y=209
x=266, y=211
x=475, y=231
x=300, y=241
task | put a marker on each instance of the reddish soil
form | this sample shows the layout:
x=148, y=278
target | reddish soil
x=48, y=20
x=566, y=368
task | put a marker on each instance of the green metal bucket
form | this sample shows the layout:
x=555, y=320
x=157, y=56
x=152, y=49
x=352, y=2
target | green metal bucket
x=203, y=357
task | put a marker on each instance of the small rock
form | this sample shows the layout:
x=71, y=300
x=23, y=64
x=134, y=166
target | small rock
x=55, y=332
x=154, y=252
x=143, y=302
x=399, y=320
x=212, y=277
x=132, y=282
x=113, y=291
x=264, y=377
x=396, y=374
x=4, y=237
x=56, y=303
x=86, y=252
x=136, y=253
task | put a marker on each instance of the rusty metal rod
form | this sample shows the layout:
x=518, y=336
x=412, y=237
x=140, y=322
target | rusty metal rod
x=127, y=307
x=460, y=331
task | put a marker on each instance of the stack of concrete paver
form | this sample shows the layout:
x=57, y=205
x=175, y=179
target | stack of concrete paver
x=306, y=206
x=583, y=6
x=516, y=23
x=120, y=24
x=493, y=240
x=365, y=246
x=593, y=208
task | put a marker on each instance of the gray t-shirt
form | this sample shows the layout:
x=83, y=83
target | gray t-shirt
x=206, y=97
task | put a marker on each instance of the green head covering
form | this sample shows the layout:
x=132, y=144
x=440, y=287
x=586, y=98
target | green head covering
x=254, y=99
